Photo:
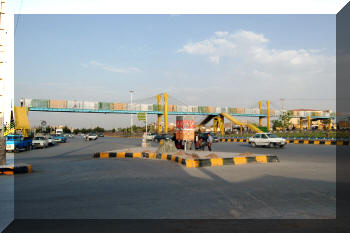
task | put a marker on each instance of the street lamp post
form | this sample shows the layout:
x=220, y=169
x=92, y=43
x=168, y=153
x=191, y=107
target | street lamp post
x=131, y=123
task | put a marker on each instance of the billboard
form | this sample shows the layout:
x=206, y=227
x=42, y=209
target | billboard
x=185, y=128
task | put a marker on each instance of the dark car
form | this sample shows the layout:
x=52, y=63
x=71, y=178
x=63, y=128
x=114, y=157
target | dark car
x=101, y=135
x=204, y=136
x=159, y=137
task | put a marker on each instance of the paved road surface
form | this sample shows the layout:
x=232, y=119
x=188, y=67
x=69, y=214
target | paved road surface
x=68, y=183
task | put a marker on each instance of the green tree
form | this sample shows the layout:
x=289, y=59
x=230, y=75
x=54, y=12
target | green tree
x=276, y=124
x=66, y=129
x=98, y=129
x=38, y=130
x=76, y=131
x=48, y=129
x=285, y=119
x=113, y=130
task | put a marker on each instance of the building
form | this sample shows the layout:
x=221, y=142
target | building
x=302, y=114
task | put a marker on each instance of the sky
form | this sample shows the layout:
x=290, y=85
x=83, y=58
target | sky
x=220, y=60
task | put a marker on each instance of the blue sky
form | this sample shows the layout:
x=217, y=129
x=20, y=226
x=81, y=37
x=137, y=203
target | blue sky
x=227, y=60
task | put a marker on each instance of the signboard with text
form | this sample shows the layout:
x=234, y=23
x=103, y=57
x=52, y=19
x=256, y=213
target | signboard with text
x=185, y=128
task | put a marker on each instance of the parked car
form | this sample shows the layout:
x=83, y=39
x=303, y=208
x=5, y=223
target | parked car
x=266, y=139
x=40, y=142
x=159, y=137
x=150, y=136
x=60, y=138
x=15, y=143
x=101, y=135
x=51, y=140
x=91, y=136
x=204, y=136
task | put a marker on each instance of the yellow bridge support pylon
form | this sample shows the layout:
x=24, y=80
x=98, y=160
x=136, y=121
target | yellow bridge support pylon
x=215, y=124
x=21, y=120
x=165, y=96
x=159, y=123
x=165, y=113
x=260, y=111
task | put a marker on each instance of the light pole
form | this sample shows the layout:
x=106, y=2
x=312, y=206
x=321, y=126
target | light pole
x=131, y=93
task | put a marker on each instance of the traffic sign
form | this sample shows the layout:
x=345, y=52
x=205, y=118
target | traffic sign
x=141, y=116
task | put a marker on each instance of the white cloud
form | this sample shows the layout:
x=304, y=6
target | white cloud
x=249, y=37
x=251, y=47
x=221, y=33
x=215, y=59
x=247, y=61
x=114, y=69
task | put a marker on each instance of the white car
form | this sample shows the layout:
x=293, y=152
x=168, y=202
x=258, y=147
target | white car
x=266, y=139
x=51, y=140
x=40, y=141
x=150, y=136
x=91, y=136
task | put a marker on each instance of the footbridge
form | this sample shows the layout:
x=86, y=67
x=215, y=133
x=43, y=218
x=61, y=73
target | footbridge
x=156, y=107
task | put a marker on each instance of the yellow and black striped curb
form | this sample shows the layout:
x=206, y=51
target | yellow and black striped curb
x=296, y=141
x=15, y=169
x=190, y=163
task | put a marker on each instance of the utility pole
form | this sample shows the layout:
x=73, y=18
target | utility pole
x=131, y=123
x=268, y=115
x=282, y=104
x=2, y=97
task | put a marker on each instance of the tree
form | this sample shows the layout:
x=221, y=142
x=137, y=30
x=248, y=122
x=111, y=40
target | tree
x=38, y=130
x=48, y=129
x=113, y=130
x=99, y=129
x=285, y=119
x=66, y=130
x=276, y=124
x=76, y=131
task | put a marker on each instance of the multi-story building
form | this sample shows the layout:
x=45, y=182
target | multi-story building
x=301, y=115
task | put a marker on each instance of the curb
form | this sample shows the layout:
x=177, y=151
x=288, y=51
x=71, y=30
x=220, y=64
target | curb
x=295, y=141
x=15, y=169
x=191, y=163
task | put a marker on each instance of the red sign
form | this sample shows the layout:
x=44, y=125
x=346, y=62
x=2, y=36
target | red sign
x=185, y=124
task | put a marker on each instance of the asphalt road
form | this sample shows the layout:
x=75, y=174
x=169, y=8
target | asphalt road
x=68, y=183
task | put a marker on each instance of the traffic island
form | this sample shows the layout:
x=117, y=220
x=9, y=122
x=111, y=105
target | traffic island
x=11, y=169
x=296, y=141
x=191, y=159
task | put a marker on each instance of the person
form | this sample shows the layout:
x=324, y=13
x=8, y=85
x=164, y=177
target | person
x=210, y=141
x=189, y=145
x=196, y=141
x=203, y=142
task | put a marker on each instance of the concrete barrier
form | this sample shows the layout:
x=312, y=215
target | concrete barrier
x=15, y=169
x=191, y=163
x=296, y=141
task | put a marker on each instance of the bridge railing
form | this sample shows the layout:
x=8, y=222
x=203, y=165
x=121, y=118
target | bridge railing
x=119, y=106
